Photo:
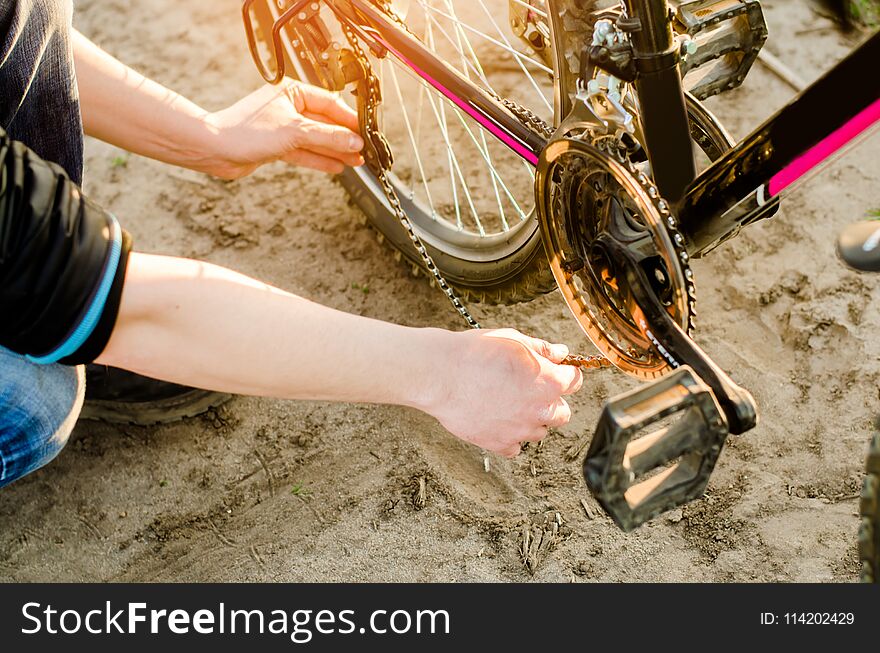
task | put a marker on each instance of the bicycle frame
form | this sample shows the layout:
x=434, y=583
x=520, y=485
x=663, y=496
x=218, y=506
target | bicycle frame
x=745, y=185
x=740, y=187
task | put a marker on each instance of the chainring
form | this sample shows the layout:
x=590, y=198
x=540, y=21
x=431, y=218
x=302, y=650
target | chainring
x=588, y=191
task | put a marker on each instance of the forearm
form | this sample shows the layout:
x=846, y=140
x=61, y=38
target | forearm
x=198, y=324
x=122, y=107
x=292, y=122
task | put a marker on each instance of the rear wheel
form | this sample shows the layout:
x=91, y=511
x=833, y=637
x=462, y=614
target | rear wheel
x=469, y=198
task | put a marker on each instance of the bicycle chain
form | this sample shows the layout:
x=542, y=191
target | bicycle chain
x=376, y=138
x=612, y=148
x=525, y=116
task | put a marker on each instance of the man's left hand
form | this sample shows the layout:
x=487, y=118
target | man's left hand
x=294, y=122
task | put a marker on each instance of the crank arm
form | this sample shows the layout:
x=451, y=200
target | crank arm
x=679, y=349
x=684, y=417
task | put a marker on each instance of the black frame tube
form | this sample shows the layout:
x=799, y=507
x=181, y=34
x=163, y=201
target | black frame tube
x=735, y=190
x=661, y=98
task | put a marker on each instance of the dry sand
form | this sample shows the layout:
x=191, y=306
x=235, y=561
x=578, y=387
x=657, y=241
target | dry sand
x=269, y=490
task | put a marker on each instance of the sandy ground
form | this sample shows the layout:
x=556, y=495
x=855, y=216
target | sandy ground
x=295, y=491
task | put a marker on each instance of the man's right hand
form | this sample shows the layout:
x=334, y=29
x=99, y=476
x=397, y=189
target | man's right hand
x=503, y=388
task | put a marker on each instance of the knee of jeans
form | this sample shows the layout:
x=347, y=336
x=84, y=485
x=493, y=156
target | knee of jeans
x=40, y=405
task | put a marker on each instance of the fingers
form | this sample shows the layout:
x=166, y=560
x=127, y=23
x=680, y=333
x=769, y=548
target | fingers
x=354, y=160
x=556, y=414
x=569, y=377
x=551, y=351
x=555, y=352
x=537, y=435
x=326, y=139
x=320, y=117
x=316, y=161
x=315, y=100
x=513, y=449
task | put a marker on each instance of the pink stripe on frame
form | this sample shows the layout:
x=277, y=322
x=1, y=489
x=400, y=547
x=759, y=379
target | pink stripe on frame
x=503, y=136
x=825, y=148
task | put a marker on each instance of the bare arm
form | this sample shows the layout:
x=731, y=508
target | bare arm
x=200, y=324
x=293, y=122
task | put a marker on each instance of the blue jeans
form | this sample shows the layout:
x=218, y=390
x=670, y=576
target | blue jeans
x=39, y=106
x=39, y=405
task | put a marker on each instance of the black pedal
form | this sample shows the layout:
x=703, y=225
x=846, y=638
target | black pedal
x=687, y=448
x=728, y=33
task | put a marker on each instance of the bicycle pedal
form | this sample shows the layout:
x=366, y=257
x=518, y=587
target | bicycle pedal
x=637, y=478
x=728, y=34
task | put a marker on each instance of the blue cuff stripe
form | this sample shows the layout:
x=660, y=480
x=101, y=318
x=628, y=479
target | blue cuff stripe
x=93, y=314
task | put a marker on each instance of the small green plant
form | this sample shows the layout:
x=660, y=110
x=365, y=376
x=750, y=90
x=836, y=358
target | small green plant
x=120, y=161
x=874, y=214
x=364, y=288
x=865, y=13
x=163, y=483
x=299, y=490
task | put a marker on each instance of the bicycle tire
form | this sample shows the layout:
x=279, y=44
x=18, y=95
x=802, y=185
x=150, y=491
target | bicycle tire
x=869, y=509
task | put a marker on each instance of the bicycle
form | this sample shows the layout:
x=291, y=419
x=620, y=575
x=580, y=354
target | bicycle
x=607, y=146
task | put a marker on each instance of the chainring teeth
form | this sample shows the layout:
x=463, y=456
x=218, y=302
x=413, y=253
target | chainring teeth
x=594, y=313
x=671, y=226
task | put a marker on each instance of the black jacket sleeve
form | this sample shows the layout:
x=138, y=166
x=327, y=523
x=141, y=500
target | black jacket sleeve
x=62, y=262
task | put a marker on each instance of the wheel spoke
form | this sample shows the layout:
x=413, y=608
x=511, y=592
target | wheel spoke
x=475, y=67
x=509, y=48
x=441, y=119
x=495, y=176
x=524, y=69
x=484, y=150
x=412, y=140
x=441, y=123
x=487, y=194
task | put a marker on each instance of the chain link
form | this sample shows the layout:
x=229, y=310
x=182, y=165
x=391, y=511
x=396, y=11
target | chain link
x=373, y=134
x=613, y=150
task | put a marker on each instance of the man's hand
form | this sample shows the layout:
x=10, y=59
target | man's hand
x=503, y=388
x=293, y=122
